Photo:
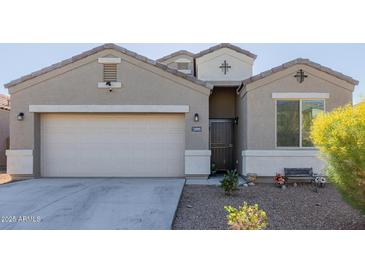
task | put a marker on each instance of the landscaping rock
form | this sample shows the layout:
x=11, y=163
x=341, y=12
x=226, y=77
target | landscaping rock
x=293, y=208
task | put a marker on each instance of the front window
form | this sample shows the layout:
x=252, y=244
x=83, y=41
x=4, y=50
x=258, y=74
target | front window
x=293, y=121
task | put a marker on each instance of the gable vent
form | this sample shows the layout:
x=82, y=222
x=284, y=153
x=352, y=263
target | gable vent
x=110, y=72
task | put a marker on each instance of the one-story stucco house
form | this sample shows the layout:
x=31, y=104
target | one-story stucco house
x=110, y=112
x=4, y=129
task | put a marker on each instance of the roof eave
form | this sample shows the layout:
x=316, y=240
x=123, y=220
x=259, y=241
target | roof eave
x=300, y=61
x=174, y=54
x=98, y=49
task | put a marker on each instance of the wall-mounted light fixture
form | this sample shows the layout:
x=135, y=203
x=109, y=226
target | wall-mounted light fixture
x=196, y=117
x=236, y=120
x=109, y=84
x=20, y=116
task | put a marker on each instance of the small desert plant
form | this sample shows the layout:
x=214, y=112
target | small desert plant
x=229, y=183
x=246, y=217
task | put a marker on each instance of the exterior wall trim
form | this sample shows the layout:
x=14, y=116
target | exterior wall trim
x=109, y=108
x=198, y=153
x=269, y=162
x=282, y=153
x=300, y=95
x=197, y=163
x=112, y=85
x=109, y=60
x=19, y=152
x=20, y=162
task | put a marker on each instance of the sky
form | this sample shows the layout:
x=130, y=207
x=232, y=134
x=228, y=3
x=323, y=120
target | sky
x=21, y=59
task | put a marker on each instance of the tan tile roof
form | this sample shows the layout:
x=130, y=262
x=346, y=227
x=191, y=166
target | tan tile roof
x=206, y=51
x=301, y=61
x=176, y=53
x=101, y=48
x=226, y=45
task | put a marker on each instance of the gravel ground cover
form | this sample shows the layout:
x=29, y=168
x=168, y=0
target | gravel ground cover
x=201, y=207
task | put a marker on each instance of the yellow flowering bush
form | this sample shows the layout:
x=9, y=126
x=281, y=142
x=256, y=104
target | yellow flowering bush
x=340, y=136
x=246, y=217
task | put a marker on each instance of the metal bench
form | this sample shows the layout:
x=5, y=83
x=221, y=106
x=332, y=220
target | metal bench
x=299, y=174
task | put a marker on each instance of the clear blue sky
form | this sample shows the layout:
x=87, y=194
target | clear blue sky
x=19, y=59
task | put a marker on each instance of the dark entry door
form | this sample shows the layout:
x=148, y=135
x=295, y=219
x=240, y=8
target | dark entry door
x=221, y=143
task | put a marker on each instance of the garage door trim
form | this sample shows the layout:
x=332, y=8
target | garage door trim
x=109, y=108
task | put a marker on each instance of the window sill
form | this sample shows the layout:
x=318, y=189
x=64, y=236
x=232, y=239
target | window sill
x=186, y=71
x=113, y=85
x=296, y=148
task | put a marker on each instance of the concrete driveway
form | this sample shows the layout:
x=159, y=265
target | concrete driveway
x=90, y=203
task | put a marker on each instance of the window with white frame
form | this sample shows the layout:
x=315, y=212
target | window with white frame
x=294, y=120
x=183, y=66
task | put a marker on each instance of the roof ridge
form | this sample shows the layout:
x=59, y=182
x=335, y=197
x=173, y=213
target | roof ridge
x=298, y=61
x=96, y=50
x=175, y=53
x=225, y=45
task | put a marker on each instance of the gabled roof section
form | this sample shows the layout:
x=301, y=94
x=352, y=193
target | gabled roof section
x=101, y=48
x=226, y=45
x=300, y=61
x=176, y=53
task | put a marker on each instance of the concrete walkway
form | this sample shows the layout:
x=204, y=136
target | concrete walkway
x=90, y=203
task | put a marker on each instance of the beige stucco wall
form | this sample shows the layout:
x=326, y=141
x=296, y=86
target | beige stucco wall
x=222, y=103
x=241, y=132
x=208, y=66
x=261, y=106
x=142, y=84
x=4, y=135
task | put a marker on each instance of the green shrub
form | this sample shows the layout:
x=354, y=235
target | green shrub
x=340, y=135
x=246, y=217
x=229, y=183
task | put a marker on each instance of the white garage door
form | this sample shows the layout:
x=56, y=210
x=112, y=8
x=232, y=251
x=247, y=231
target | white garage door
x=112, y=145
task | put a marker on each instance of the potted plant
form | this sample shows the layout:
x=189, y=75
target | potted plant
x=279, y=180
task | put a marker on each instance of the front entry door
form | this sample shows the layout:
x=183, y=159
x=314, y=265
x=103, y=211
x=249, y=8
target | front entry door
x=221, y=143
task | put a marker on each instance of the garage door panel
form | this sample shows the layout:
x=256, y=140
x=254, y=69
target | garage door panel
x=112, y=145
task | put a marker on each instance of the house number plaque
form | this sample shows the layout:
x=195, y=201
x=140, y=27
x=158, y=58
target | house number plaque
x=196, y=129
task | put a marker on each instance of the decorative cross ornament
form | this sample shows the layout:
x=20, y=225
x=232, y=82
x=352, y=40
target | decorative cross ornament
x=225, y=67
x=300, y=76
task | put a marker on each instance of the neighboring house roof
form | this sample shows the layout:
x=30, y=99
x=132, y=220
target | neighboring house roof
x=176, y=53
x=225, y=45
x=300, y=61
x=101, y=48
x=4, y=102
